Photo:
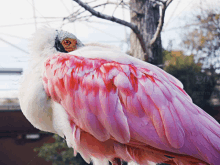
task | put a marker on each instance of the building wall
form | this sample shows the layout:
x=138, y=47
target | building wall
x=14, y=153
x=15, y=147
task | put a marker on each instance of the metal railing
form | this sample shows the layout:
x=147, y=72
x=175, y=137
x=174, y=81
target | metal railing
x=7, y=107
x=11, y=71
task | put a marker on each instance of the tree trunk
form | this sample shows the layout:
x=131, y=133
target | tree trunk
x=147, y=21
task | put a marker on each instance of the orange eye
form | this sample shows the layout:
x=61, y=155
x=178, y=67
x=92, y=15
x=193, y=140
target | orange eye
x=69, y=44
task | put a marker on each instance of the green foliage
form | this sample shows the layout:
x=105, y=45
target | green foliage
x=178, y=60
x=58, y=153
x=199, y=85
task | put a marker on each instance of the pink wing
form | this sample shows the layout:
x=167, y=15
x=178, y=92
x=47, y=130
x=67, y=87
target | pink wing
x=133, y=104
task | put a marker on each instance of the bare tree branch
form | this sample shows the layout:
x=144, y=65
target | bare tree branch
x=164, y=5
x=104, y=4
x=168, y=2
x=116, y=7
x=75, y=16
x=91, y=1
x=117, y=20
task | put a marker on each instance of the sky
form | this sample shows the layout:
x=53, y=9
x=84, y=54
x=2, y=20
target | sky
x=18, y=24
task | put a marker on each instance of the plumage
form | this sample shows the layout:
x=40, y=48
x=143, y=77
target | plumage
x=110, y=105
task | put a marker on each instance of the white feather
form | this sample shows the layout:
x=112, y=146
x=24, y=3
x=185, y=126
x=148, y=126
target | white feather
x=132, y=163
x=34, y=102
x=42, y=42
x=149, y=163
x=96, y=161
x=61, y=123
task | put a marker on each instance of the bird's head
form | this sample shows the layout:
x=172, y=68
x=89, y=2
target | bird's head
x=66, y=42
x=47, y=41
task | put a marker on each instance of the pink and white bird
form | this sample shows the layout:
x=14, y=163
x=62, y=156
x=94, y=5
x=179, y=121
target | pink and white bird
x=110, y=106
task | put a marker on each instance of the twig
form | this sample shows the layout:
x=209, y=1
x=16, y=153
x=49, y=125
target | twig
x=164, y=5
x=106, y=3
x=72, y=19
x=168, y=2
x=116, y=7
x=91, y=1
x=77, y=13
x=117, y=20
x=14, y=46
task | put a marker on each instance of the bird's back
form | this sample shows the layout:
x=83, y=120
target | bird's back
x=129, y=108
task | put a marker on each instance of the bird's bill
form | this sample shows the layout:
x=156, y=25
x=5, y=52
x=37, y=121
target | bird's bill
x=69, y=44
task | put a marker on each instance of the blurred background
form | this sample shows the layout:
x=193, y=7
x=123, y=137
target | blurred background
x=190, y=40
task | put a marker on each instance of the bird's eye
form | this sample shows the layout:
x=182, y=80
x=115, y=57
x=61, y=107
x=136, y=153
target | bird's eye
x=67, y=42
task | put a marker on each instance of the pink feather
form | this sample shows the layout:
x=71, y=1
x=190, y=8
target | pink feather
x=134, y=111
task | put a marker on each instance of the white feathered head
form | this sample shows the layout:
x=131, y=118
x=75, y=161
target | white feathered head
x=48, y=41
